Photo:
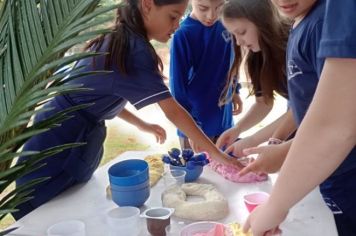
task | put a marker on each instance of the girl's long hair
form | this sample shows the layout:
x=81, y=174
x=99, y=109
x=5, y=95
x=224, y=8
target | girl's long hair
x=266, y=68
x=128, y=20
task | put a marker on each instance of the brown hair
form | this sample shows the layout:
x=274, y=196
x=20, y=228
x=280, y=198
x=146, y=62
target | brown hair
x=266, y=68
x=128, y=20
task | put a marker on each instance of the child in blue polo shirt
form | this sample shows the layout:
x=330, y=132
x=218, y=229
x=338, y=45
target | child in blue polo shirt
x=313, y=145
x=199, y=66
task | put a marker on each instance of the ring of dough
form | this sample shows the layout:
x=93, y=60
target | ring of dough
x=213, y=207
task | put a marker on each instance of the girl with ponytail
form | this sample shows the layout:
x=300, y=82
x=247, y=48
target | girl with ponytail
x=135, y=76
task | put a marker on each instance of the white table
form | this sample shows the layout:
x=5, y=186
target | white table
x=88, y=203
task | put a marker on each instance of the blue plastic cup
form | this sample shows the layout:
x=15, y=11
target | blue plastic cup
x=129, y=172
x=191, y=174
x=130, y=188
x=134, y=198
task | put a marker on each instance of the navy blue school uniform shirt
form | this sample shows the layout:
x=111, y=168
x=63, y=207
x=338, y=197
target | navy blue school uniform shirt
x=339, y=32
x=108, y=96
x=200, y=61
x=339, y=41
x=303, y=65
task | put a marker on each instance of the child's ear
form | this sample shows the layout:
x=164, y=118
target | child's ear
x=146, y=6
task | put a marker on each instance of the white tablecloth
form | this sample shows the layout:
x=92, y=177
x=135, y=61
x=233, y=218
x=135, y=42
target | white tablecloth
x=88, y=203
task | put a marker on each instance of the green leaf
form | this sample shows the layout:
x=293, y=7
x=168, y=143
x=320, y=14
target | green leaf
x=34, y=37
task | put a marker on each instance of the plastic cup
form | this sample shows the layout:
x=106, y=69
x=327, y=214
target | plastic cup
x=173, y=178
x=174, y=229
x=253, y=200
x=67, y=228
x=157, y=219
x=124, y=219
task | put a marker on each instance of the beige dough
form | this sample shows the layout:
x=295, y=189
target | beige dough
x=156, y=167
x=214, y=207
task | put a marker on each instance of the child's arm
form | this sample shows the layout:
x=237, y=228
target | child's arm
x=237, y=104
x=178, y=116
x=286, y=128
x=324, y=134
x=270, y=158
x=257, y=138
x=323, y=140
x=154, y=129
x=256, y=113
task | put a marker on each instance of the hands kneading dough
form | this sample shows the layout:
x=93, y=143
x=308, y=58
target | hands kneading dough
x=156, y=168
x=213, y=207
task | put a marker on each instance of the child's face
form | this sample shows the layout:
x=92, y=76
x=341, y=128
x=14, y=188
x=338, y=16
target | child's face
x=244, y=31
x=207, y=11
x=162, y=21
x=293, y=9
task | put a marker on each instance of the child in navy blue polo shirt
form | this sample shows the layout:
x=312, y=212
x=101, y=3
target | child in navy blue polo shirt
x=327, y=134
x=135, y=76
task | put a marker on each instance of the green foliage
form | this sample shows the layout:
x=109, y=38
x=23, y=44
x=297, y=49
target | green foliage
x=34, y=36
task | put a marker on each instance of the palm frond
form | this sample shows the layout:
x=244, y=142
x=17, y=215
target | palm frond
x=34, y=36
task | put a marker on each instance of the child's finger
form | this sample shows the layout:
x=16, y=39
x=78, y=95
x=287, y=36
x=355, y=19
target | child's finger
x=230, y=149
x=220, y=143
x=246, y=226
x=252, y=150
x=246, y=170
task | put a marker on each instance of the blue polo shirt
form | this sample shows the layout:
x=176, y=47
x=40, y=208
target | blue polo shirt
x=304, y=68
x=339, y=33
x=339, y=41
x=200, y=61
x=303, y=65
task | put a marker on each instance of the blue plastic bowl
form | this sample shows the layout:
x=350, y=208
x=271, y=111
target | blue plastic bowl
x=134, y=198
x=128, y=172
x=130, y=188
x=191, y=174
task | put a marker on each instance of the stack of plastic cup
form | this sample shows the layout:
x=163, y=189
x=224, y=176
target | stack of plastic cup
x=129, y=182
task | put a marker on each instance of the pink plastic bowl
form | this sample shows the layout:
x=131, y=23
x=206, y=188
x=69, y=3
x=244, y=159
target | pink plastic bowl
x=198, y=228
x=252, y=200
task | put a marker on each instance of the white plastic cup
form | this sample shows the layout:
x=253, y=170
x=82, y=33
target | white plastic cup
x=173, y=178
x=174, y=229
x=124, y=219
x=67, y=228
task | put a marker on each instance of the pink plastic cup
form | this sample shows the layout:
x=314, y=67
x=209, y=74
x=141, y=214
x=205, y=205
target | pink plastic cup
x=252, y=200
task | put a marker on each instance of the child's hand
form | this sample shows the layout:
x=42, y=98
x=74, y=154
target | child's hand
x=265, y=220
x=194, y=146
x=227, y=138
x=236, y=149
x=156, y=130
x=228, y=160
x=237, y=104
x=269, y=160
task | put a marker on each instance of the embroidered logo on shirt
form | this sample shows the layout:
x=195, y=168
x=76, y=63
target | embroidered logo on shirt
x=226, y=36
x=293, y=70
x=332, y=206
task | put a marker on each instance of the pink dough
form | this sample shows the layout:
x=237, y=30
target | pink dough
x=231, y=173
x=218, y=230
